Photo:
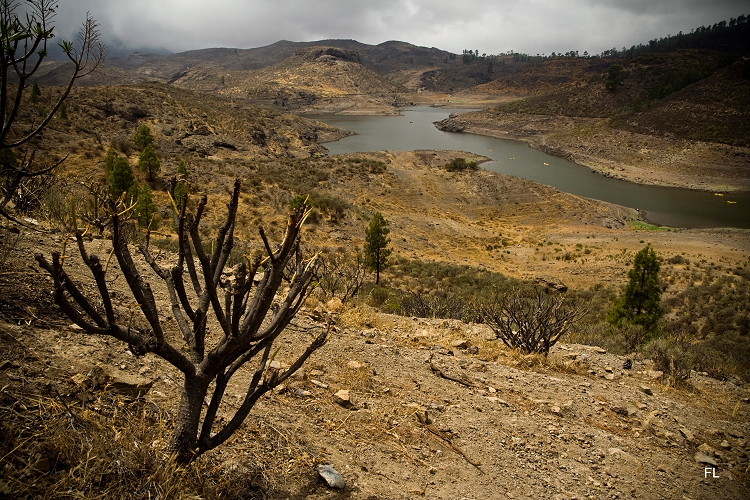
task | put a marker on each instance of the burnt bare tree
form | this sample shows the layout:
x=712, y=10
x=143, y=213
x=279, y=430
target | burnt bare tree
x=341, y=275
x=24, y=34
x=533, y=321
x=247, y=310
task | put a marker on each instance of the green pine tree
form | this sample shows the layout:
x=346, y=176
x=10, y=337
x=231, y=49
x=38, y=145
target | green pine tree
x=376, y=245
x=120, y=177
x=36, y=93
x=149, y=161
x=143, y=137
x=146, y=209
x=640, y=303
x=181, y=188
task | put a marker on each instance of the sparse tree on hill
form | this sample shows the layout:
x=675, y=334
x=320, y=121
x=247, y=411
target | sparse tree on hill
x=640, y=303
x=180, y=188
x=149, y=161
x=143, y=137
x=145, y=209
x=247, y=312
x=24, y=34
x=376, y=245
x=119, y=174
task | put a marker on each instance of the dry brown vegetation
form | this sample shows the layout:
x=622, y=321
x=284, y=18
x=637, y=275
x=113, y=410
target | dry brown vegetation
x=495, y=421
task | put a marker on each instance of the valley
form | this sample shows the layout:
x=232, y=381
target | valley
x=436, y=406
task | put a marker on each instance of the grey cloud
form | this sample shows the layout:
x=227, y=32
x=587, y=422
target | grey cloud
x=534, y=26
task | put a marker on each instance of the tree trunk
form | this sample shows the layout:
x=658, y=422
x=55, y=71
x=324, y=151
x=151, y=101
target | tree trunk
x=185, y=437
x=377, y=266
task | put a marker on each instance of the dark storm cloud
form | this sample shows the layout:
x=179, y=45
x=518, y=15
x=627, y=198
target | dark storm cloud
x=533, y=26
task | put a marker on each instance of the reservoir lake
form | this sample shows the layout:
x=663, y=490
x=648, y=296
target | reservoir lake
x=415, y=130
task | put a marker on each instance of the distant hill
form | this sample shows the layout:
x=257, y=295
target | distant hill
x=690, y=86
x=314, y=79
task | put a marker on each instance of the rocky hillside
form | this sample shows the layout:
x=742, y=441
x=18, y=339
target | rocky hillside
x=317, y=79
x=401, y=406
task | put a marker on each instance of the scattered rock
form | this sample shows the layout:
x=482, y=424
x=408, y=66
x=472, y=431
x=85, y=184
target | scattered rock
x=725, y=444
x=130, y=385
x=703, y=458
x=646, y=390
x=687, y=434
x=332, y=477
x=343, y=398
x=354, y=365
x=707, y=449
x=460, y=344
x=628, y=411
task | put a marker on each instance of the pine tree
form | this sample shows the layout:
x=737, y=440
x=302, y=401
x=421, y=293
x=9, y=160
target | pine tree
x=181, y=187
x=121, y=177
x=146, y=209
x=149, y=161
x=143, y=137
x=36, y=93
x=640, y=303
x=376, y=245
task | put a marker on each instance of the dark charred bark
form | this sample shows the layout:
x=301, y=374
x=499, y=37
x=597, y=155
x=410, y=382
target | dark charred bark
x=249, y=325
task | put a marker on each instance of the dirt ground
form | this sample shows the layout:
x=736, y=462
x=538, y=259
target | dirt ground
x=440, y=410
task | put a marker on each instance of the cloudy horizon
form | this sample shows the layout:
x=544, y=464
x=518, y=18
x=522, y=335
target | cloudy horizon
x=529, y=26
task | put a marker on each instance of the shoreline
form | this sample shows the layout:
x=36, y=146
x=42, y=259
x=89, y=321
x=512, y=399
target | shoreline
x=549, y=138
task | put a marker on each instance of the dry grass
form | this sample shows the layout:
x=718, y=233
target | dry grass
x=108, y=447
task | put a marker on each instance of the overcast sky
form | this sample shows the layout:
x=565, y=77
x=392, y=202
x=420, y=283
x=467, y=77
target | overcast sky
x=490, y=26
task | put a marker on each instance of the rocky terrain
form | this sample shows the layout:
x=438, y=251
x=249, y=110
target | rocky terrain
x=402, y=408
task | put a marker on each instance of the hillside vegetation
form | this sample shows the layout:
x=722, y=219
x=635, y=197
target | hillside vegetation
x=412, y=395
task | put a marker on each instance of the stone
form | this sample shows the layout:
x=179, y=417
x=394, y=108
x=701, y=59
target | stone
x=654, y=374
x=703, y=458
x=460, y=344
x=129, y=385
x=343, y=398
x=725, y=444
x=687, y=433
x=81, y=380
x=646, y=390
x=707, y=449
x=332, y=477
x=354, y=365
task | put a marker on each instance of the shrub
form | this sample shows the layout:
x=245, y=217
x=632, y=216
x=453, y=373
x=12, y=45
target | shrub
x=673, y=355
x=532, y=322
x=460, y=165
